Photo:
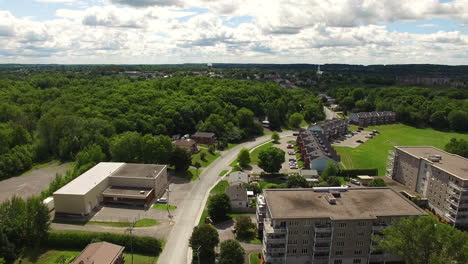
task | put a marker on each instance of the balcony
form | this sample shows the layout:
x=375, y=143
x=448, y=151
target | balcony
x=270, y=228
x=450, y=218
x=321, y=257
x=322, y=228
x=322, y=248
x=275, y=240
x=452, y=210
x=378, y=226
x=273, y=259
x=458, y=188
x=322, y=238
x=275, y=249
x=452, y=202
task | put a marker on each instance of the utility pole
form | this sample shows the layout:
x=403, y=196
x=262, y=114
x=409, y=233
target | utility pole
x=130, y=229
x=167, y=205
x=198, y=254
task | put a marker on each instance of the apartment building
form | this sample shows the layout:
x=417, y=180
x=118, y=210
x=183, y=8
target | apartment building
x=331, y=128
x=372, y=118
x=439, y=176
x=336, y=226
x=315, y=149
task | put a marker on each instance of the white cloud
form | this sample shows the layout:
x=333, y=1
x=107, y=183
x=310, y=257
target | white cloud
x=146, y=3
x=57, y=1
x=427, y=25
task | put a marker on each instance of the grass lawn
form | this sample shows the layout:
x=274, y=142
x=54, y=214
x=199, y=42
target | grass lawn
x=159, y=206
x=254, y=154
x=269, y=181
x=231, y=145
x=145, y=222
x=374, y=152
x=203, y=216
x=253, y=257
x=209, y=158
x=53, y=256
x=222, y=173
x=220, y=187
x=140, y=223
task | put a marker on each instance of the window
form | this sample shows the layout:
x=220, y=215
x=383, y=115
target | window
x=362, y=223
x=294, y=251
x=305, y=242
x=357, y=252
x=339, y=253
x=342, y=225
x=341, y=234
x=240, y=203
x=340, y=244
x=338, y=261
x=356, y=261
x=304, y=251
x=360, y=234
x=306, y=232
x=359, y=244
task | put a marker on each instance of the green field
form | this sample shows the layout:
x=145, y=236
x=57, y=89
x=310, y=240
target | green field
x=52, y=256
x=209, y=158
x=145, y=222
x=220, y=187
x=159, y=206
x=254, y=154
x=254, y=258
x=374, y=152
x=222, y=173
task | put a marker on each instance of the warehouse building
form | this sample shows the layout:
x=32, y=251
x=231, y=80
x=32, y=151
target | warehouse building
x=112, y=182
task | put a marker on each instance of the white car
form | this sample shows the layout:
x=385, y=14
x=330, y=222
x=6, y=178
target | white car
x=162, y=200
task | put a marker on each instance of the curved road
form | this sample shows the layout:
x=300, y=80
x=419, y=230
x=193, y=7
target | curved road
x=176, y=248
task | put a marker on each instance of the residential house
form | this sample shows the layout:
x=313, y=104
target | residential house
x=188, y=144
x=238, y=196
x=204, y=137
x=331, y=128
x=309, y=175
x=372, y=118
x=238, y=177
x=315, y=150
x=100, y=253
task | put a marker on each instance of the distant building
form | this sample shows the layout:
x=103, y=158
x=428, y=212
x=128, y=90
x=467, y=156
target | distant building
x=238, y=196
x=311, y=226
x=238, y=177
x=309, y=175
x=440, y=176
x=204, y=137
x=111, y=182
x=372, y=118
x=315, y=149
x=100, y=253
x=331, y=128
x=188, y=144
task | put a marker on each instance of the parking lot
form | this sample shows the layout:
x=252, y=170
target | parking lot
x=351, y=142
x=285, y=167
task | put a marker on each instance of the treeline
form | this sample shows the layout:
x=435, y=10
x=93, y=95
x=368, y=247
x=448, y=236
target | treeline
x=439, y=108
x=60, y=113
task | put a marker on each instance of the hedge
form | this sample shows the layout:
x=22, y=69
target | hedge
x=80, y=239
x=356, y=172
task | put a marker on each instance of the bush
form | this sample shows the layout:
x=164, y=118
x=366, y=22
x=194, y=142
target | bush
x=79, y=240
x=356, y=172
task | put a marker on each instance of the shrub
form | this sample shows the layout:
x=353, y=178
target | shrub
x=356, y=172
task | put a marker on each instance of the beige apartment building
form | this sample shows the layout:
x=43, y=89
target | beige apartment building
x=439, y=176
x=334, y=225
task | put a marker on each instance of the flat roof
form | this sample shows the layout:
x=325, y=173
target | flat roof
x=133, y=170
x=358, y=203
x=88, y=180
x=134, y=192
x=100, y=253
x=451, y=163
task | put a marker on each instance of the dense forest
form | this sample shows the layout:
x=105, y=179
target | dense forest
x=58, y=114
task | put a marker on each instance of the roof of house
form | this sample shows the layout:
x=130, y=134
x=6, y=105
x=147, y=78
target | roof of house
x=237, y=193
x=317, y=145
x=358, y=203
x=451, y=163
x=308, y=173
x=203, y=134
x=184, y=142
x=89, y=179
x=99, y=253
x=238, y=176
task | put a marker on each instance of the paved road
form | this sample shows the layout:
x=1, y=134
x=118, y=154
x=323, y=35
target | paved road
x=176, y=248
x=329, y=114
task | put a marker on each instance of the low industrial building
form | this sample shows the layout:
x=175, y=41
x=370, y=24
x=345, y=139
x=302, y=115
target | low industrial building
x=100, y=253
x=439, y=176
x=111, y=182
x=328, y=225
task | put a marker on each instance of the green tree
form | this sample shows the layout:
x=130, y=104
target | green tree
x=422, y=240
x=244, y=227
x=458, y=146
x=271, y=159
x=181, y=159
x=275, y=137
x=439, y=120
x=244, y=157
x=333, y=181
x=331, y=169
x=231, y=252
x=458, y=120
x=297, y=181
x=126, y=147
x=156, y=149
x=205, y=238
x=295, y=120
x=358, y=94
x=90, y=155
x=218, y=206
x=377, y=182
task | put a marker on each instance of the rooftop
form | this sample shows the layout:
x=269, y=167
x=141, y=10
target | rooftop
x=358, y=203
x=237, y=193
x=184, y=142
x=451, y=163
x=131, y=192
x=99, y=253
x=133, y=170
x=203, y=134
x=88, y=180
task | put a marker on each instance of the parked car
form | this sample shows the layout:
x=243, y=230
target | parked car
x=290, y=146
x=355, y=182
x=368, y=136
x=375, y=131
x=162, y=200
x=291, y=153
x=360, y=128
x=359, y=141
x=296, y=134
x=293, y=167
x=292, y=160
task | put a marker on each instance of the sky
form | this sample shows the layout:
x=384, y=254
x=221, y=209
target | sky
x=234, y=31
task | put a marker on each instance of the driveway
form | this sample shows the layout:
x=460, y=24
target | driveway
x=351, y=142
x=176, y=250
x=329, y=114
x=31, y=183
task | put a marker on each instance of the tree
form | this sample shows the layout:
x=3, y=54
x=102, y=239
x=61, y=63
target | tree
x=244, y=227
x=333, y=181
x=205, y=238
x=271, y=159
x=295, y=120
x=126, y=147
x=90, y=155
x=297, y=181
x=231, y=252
x=275, y=137
x=244, y=157
x=218, y=206
x=439, y=120
x=458, y=120
x=377, y=182
x=459, y=147
x=422, y=240
x=331, y=169
x=156, y=149
x=181, y=159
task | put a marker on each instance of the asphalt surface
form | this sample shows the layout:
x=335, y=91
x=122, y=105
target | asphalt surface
x=329, y=114
x=176, y=250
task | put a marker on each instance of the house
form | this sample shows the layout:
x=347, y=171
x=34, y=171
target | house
x=111, y=182
x=309, y=175
x=372, y=118
x=331, y=128
x=238, y=177
x=313, y=226
x=238, y=196
x=188, y=144
x=365, y=179
x=100, y=253
x=315, y=149
x=204, y=137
